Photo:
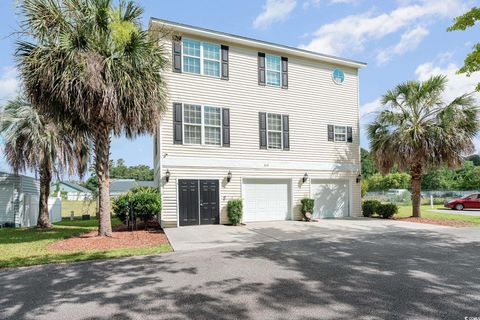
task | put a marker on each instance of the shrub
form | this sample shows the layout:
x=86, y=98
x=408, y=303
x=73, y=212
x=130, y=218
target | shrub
x=120, y=207
x=370, y=207
x=307, y=206
x=145, y=205
x=235, y=211
x=139, y=203
x=387, y=210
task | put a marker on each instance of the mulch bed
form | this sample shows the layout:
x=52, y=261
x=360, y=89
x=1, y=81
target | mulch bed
x=122, y=237
x=441, y=222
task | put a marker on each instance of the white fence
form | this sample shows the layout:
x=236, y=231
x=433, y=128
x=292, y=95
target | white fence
x=29, y=214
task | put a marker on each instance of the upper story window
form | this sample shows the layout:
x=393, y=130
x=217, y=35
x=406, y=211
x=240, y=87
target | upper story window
x=274, y=131
x=201, y=57
x=273, y=70
x=340, y=133
x=202, y=125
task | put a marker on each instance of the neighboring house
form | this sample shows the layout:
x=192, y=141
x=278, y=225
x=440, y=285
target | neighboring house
x=73, y=191
x=122, y=186
x=255, y=120
x=19, y=200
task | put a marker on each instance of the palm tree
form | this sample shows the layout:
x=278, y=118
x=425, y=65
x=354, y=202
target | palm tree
x=418, y=131
x=90, y=63
x=35, y=143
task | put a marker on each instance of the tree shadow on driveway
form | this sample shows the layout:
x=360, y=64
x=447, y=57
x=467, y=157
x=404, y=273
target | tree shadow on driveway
x=395, y=274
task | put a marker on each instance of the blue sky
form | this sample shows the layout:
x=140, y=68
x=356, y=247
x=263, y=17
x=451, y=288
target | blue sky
x=400, y=40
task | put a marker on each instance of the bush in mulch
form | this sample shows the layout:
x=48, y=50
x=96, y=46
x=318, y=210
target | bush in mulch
x=138, y=204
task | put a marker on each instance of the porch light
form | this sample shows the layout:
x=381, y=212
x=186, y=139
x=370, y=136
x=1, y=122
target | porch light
x=359, y=178
x=167, y=176
x=305, y=177
x=229, y=176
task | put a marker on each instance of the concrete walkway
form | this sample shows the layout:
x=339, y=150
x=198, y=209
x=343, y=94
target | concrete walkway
x=466, y=212
x=216, y=236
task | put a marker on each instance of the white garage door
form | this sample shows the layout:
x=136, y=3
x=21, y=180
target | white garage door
x=266, y=200
x=331, y=198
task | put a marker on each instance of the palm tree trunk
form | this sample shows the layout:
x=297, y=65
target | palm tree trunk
x=416, y=184
x=43, y=220
x=102, y=157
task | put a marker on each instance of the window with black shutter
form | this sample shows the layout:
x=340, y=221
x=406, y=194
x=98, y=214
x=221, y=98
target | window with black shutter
x=262, y=125
x=284, y=72
x=261, y=68
x=177, y=123
x=224, y=62
x=226, y=127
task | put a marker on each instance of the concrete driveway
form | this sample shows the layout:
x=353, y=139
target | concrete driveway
x=338, y=269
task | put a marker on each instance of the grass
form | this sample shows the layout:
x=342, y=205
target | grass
x=78, y=207
x=28, y=246
x=406, y=211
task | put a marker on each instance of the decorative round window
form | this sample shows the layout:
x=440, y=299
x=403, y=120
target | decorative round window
x=338, y=76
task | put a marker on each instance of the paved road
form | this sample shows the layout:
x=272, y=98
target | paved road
x=344, y=273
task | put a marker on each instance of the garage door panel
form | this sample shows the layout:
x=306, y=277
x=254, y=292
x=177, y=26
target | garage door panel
x=331, y=198
x=266, y=200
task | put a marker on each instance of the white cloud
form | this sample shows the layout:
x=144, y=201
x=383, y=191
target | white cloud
x=352, y=32
x=370, y=108
x=274, y=11
x=408, y=42
x=316, y=3
x=9, y=83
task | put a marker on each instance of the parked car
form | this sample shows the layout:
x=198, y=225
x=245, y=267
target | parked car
x=471, y=201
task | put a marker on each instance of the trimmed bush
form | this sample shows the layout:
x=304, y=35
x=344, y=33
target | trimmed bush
x=235, y=211
x=120, y=207
x=141, y=203
x=370, y=207
x=307, y=207
x=387, y=210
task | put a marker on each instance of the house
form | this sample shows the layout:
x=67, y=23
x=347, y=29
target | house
x=122, y=186
x=255, y=120
x=73, y=191
x=19, y=201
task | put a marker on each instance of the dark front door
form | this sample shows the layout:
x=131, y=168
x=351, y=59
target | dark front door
x=209, y=206
x=188, y=202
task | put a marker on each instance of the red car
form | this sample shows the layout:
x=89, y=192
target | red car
x=472, y=201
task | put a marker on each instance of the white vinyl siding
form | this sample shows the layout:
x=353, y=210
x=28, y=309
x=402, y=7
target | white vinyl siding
x=201, y=57
x=312, y=101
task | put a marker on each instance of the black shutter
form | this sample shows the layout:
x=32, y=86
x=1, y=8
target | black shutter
x=284, y=72
x=177, y=123
x=349, y=134
x=177, y=53
x=286, y=133
x=261, y=68
x=331, y=136
x=226, y=127
x=262, y=125
x=224, y=62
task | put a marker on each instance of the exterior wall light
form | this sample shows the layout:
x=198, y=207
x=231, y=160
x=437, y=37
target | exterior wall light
x=305, y=177
x=229, y=176
x=167, y=176
x=359, y=178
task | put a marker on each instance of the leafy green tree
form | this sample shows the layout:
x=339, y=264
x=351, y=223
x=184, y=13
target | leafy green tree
x=475, y=158
x=368, y=164
x=472, y=61
x=90, y=63
x=32, y=141
x=418, y=131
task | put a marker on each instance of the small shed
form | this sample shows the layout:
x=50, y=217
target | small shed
x=73, y=191
x=19, y=200
x=122, y=186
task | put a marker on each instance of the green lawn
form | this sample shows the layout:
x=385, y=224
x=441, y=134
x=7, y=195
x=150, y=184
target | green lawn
x=78, y=207
x=28, y=246
x=406, y=211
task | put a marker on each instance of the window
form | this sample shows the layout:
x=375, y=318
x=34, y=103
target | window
x=274, y=131
x=202, y=125
x=273, y=68
x=340, y=133
x=201, y=57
